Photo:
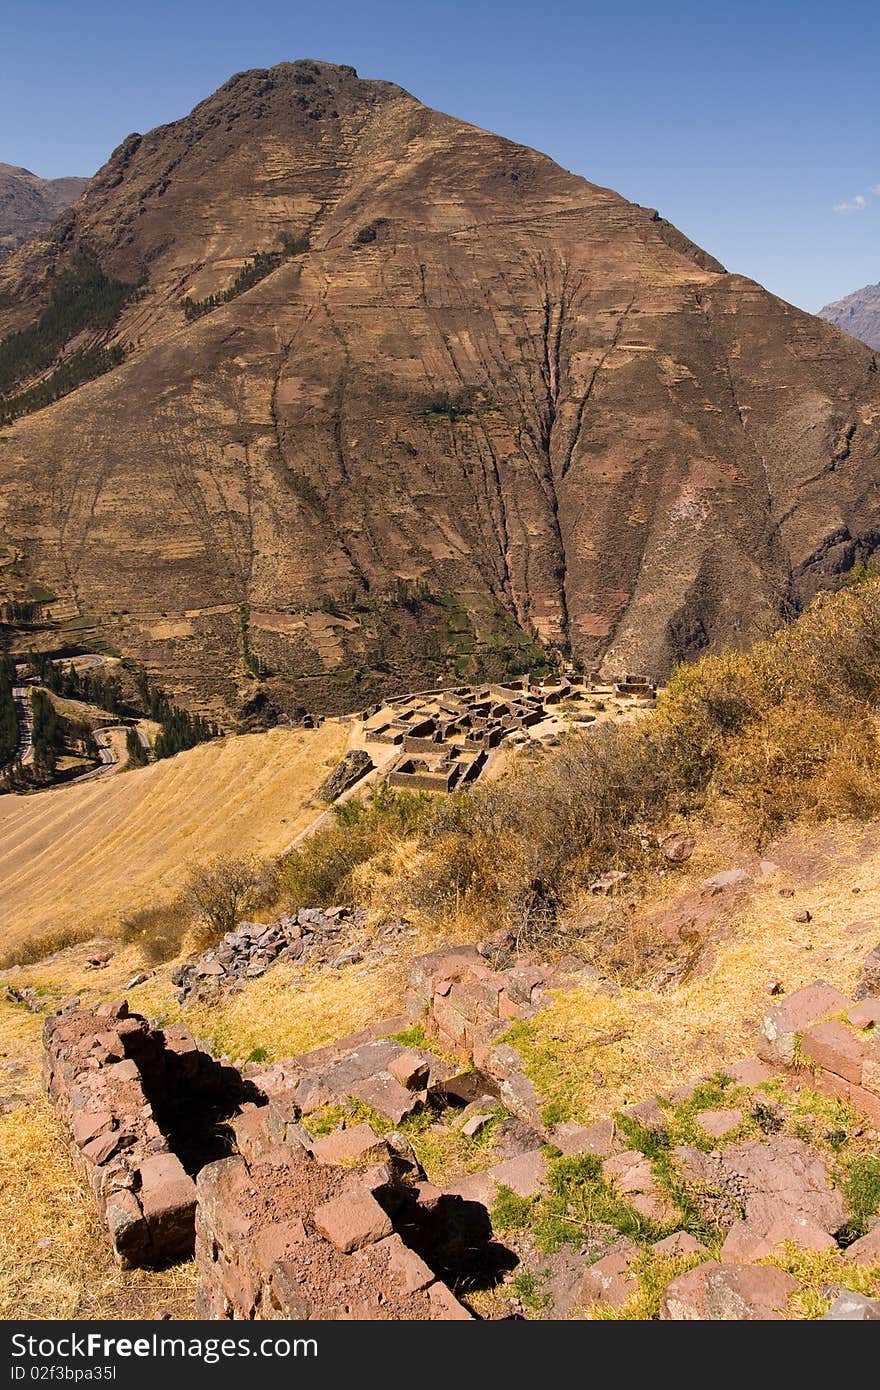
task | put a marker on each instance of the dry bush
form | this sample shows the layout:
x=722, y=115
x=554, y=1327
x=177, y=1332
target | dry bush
x=219, y=892
x=320, y=871
x=514, y=850
x=791, y=763
x=158, y=931
x=46, y=944
x=784, y=731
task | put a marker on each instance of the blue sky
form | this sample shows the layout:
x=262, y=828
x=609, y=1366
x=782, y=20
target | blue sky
x=747, y=124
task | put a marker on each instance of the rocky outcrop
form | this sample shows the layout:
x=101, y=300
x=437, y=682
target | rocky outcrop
x=350, y=769
x=312, y=936
x=378, y=462
x=285, y=1233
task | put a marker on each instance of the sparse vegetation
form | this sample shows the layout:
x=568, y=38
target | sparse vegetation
x=579, y=1201
x=81, y=298
x=220, y=891
x=159, y=930
x=451, y=406
x=46, y=943
x=251, y=273
x=319, y=872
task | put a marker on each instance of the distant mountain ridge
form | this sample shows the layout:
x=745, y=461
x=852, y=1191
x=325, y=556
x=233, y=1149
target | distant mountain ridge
x=29, y=204
x=858, y=314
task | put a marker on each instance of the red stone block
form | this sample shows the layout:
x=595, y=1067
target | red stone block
x=351, y=1222
x=165, y=1185
x=411, y=1070
x=729, y=1293
x=444, y=1306
x=835, y=1047
x=865, y=1014
x=610, y=1280
x=782, y=1023
x=360, y=1144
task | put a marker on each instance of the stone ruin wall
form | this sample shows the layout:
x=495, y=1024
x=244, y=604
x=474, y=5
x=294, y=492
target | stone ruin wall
x=286, y=1225
x=93, y=1068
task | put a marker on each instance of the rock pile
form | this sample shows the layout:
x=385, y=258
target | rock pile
x=370, y=1067
x=302, y=1229
x=312, y=935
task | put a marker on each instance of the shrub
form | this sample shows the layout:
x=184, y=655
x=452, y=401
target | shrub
x=137, y=753
x=219, y=891
x=453, y=407
x=318, y=873
x=37, y=948
x=158, y=931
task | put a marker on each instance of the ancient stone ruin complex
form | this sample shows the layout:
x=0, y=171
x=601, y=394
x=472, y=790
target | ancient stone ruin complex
x=292, y=1217
x=446, y=737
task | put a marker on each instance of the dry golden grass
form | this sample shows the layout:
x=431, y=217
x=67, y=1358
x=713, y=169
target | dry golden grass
x=72, y=861
x=593, y=1052
x=54, y=1261
x=280, y=1018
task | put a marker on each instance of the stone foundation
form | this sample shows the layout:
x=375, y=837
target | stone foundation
x=289, y=1231
x=132, y=1100
x=829, y=1041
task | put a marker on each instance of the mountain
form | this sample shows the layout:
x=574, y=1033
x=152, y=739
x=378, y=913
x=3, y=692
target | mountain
x=29, y=205
x=471, y=405
x=858, y=314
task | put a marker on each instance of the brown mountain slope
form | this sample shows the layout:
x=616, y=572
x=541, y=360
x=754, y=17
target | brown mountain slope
x=29, y=205
x=536, y=399
x=858, y=314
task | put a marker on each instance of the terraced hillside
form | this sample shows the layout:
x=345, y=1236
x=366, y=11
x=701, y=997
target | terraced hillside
x=75, y=859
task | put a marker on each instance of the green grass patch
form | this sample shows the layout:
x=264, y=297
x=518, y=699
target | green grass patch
x=332, y=1116
x=528, y=1291
x=579, y=1199
x=443, y=1150
x=861, y=1188
x=510, y=1212
x=417, y=1037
